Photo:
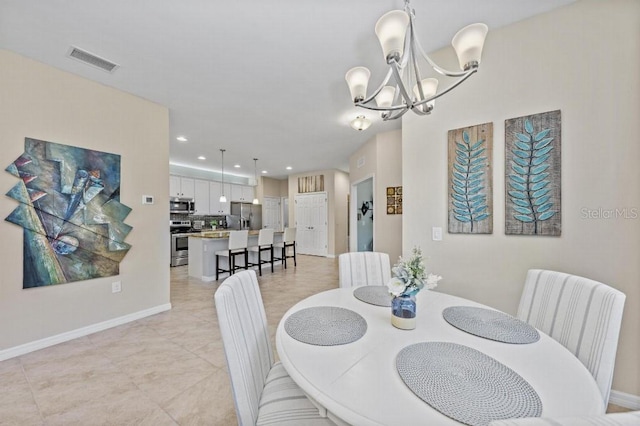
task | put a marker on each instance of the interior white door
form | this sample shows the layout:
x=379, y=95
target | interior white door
x=311, y=223
x=271, y=213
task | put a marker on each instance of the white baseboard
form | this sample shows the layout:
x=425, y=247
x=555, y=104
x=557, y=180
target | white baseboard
x=625, y=400
x=80, y=332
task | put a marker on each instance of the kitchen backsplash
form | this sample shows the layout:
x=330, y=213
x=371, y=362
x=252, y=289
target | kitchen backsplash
x=205, y=218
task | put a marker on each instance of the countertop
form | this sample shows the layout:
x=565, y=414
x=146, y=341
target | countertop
x=222, y=233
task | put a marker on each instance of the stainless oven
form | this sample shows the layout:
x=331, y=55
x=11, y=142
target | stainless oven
x=179, y=249
x=182, y=205
x=179, y=230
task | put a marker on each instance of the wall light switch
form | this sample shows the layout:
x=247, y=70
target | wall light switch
x=116, y=287
x=147, y=199
x=436, y=234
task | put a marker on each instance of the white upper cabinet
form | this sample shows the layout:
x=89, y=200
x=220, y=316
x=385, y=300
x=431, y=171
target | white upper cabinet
x=201, y=197
x=242, y=193
x=182, y=187
x=215, y=206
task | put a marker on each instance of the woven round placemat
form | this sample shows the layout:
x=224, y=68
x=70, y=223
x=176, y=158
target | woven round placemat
x=465, y=384
x=325, y=326
x=374, y=295
x=490, y=324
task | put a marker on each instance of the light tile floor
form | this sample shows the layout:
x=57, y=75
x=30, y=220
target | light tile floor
x=166, y=369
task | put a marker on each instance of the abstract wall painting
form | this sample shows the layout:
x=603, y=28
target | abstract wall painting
x=532, y=169
x=394, y=200
x=470, y=200
x=70, y=212
x=310, y=184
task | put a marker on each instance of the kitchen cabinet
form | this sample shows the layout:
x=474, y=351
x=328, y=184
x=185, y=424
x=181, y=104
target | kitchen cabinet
x=242, y=193
x=202, y=195
x=215, y=206
x=182, y=187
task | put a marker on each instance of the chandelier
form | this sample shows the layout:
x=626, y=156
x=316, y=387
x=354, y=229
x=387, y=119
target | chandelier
x=400, y=45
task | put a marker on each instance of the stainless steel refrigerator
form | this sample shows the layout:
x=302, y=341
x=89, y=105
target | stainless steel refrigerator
x=245, y=216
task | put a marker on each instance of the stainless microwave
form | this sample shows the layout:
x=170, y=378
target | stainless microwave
x=182, y=205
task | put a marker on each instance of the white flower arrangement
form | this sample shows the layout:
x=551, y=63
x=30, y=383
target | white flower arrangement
x=410, y=276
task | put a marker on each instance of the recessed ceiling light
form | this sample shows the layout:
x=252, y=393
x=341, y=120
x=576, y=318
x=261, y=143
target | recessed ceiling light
x=181, y=138
x=264, y=172
x=202, y=157
x=289, y=167
x=237, y=166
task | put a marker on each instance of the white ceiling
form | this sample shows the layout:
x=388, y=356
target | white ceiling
x=261, y=79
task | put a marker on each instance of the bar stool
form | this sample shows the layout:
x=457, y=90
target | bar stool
x=237, y=247
x=265, y=243
x=288, y=240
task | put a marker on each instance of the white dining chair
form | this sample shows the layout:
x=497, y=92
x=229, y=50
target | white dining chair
x=364, y=268
x=631, y=418
x=582, y=314
x=263, y=392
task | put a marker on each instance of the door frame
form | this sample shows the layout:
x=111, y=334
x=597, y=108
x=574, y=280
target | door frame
x=353, y=213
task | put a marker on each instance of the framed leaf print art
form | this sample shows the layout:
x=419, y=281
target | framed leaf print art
x=470, y=201
x=532, y=169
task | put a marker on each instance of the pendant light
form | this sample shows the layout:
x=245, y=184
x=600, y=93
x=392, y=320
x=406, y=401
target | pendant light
x=223, y=199
x=255, y=175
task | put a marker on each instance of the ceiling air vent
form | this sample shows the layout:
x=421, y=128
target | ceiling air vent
x=91, y=59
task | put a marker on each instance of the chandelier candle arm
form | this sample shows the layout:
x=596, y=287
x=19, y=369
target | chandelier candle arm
x=400, y=47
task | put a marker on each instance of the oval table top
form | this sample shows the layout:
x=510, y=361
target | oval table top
x=359, y=383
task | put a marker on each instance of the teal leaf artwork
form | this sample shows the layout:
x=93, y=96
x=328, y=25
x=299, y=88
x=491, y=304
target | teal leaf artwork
x=470, y=180
x=532, y=171
x=70, y=211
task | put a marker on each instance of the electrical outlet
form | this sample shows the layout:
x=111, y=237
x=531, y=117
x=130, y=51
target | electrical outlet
x=436, y=234
x=116, y=287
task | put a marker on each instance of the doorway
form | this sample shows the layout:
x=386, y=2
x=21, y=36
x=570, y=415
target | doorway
x=311, y=223
x=362, y=215
x=271, y=213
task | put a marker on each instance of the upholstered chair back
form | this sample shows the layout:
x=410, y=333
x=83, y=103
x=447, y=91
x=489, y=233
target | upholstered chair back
x=364, y=268
x=238, y=239
x=265, y=237
x=245, y=335
x=582, y=314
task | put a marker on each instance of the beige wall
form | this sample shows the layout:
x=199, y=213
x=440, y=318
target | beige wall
x=382, y=155
x=43, y=103
x=336, y=185
x=268, y=187
x=583, y=59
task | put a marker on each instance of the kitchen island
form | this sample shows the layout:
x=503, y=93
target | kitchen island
x=203, y=246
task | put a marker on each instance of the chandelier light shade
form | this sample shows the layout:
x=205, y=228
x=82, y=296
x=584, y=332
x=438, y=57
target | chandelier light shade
x=255, y=175
x=385, y=97
x=391, y=29
x=223, y=199
x=429, y=88
x=468, y=43
x=358, y=78
x=360, y=123
x=402, y=52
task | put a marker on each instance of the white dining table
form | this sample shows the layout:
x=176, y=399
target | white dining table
x=358, y=383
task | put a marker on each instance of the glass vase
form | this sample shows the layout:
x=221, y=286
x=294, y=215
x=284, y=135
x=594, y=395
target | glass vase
x=403, y=312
